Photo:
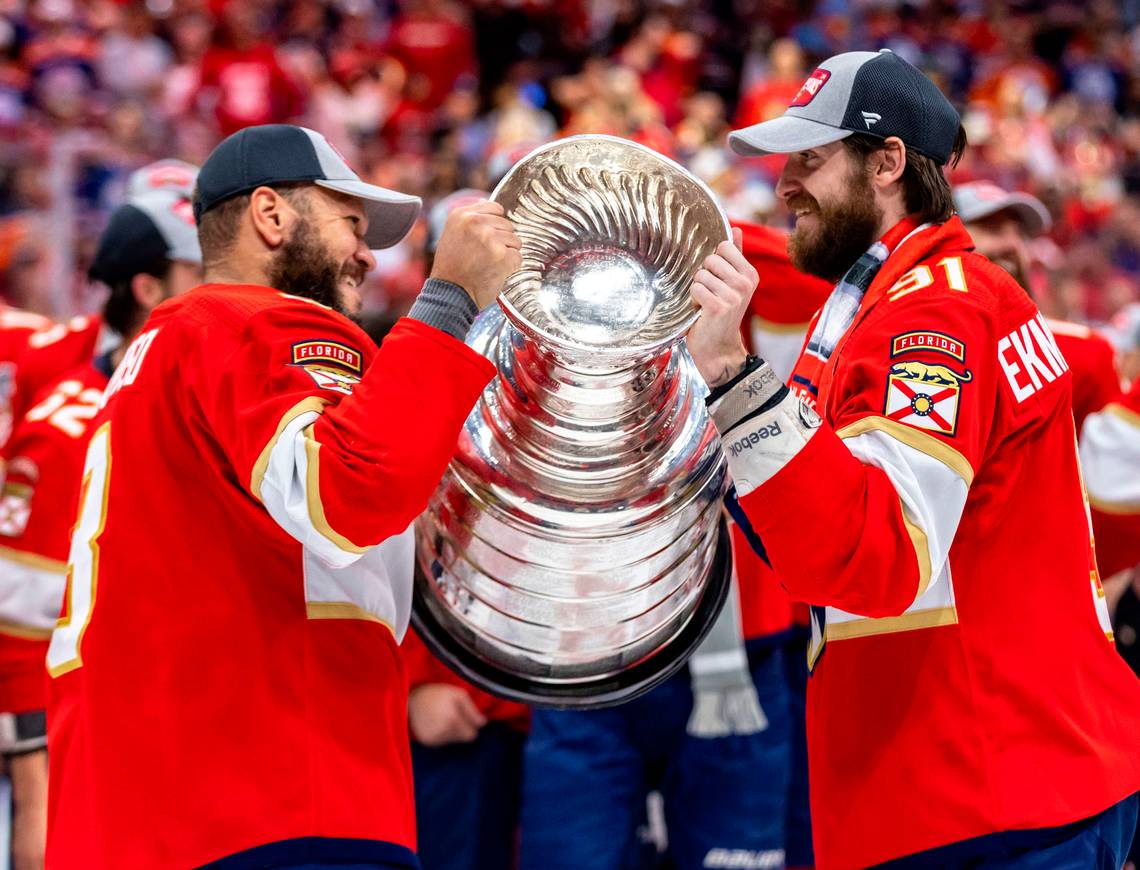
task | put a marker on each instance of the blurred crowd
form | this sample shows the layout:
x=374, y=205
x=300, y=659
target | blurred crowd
x=428, y=96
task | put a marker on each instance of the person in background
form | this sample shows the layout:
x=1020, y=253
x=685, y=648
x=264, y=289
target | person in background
x=775, y=328
x=148, y=253
x=713, y=740
x=1001, y=224
x=64, y=346
x=1110, y=460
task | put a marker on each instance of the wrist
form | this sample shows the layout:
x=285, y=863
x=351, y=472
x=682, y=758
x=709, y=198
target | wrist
x=724, y=368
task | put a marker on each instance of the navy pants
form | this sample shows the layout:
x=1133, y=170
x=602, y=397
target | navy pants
x=586, y=775
x=799, y=846
x=1098, y=843
x=467, y=801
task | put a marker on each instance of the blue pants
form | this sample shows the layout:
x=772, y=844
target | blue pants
x=1098, y=843
x=467, y=801
x=586, y=775
x=799, y=846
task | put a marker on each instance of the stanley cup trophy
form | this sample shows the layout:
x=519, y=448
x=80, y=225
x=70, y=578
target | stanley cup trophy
x=574, y=553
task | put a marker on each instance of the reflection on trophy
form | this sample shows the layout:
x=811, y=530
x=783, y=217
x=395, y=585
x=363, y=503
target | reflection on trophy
x=574, y=552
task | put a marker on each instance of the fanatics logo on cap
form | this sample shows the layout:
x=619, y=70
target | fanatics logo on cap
x=810, y=88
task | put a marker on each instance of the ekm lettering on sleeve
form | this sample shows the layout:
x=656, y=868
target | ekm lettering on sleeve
x=1030, y=358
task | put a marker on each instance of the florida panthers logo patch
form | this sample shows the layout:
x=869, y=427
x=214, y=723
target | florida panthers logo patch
x=925, y=396
x=331, y=364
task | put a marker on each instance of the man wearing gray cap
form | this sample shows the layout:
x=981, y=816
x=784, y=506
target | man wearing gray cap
x=72, y=343
x=226, y=685
x=918, y=486
x=1001, y=222
x=147, y=253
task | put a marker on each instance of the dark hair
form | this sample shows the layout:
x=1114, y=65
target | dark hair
x=218, y=227
x=926, y=191
x=121, y=307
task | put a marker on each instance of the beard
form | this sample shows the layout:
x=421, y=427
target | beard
x=303, y=267
x=1013, y=265
x=845, y=229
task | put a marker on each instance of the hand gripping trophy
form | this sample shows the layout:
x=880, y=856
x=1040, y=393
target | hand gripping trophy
x=574, y=553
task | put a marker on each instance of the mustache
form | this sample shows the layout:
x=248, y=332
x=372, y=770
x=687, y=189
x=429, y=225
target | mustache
x=802, y=201
x=354, y=271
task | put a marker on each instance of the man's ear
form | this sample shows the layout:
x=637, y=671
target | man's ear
x=148, y=291
x=888, y=163
x=271, y=214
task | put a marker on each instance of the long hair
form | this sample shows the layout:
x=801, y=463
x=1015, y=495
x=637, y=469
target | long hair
x=926, y=191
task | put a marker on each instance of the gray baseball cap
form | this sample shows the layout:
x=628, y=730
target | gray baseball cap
x=872, y=92
x=170, y=174
x=980, y=199
x=155, y=226
x=281, y=153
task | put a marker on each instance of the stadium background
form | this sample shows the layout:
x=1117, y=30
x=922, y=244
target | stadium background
x=427, y=96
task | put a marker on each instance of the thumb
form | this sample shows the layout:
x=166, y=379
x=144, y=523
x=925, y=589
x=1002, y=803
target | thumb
x=738, y=237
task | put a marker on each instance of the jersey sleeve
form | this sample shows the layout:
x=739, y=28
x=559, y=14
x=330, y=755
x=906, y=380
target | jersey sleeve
x=1110, y=462
x=342, y=454
x=1100, y=385
x=37, y=505
x=859, y=512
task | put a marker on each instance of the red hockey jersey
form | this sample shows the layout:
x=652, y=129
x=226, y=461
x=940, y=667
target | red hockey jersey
x=964, y=680
x=1110, y=456
x=51, y=352
x=37, y=509
x=226, y=675
x=16, y=327
x=1092, y=361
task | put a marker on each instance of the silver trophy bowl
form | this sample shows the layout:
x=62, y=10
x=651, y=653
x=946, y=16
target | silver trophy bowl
x=574, y=553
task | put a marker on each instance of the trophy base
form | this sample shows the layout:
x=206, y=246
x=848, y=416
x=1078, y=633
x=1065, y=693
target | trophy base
x=590, y=693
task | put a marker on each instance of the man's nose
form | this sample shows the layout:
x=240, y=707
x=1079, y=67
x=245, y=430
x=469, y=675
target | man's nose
x=365, y=257
x=787, y=186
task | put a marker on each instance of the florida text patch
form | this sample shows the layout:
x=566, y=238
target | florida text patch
x=327, y=353
x=932, y=342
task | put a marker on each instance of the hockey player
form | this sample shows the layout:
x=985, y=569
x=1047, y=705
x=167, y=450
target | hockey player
x=1000, y=224
x=59, y=347
x=149, y=252
x=920, y=488
x=226, y=682
x=1110, y=457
